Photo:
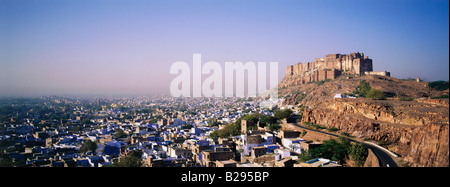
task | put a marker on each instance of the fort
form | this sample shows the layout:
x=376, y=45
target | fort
x=329, y=67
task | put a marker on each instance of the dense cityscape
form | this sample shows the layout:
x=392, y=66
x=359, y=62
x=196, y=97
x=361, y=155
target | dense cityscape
x=94, y=132
x=166, y=131
x=207, y=84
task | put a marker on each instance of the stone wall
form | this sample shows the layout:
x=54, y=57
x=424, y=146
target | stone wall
x=328, y=67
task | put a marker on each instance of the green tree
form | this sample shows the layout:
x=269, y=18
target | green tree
x=214, y=134
x=232, y=129
x=359, y=153
x=331, y=149
x=283, y=114
x=212, y=122
x=376, y=94
x=132, y=159
x=300, y=111
x=86, y=121
x=253, y=118
x=5, y=160
x=305, y=156
x=269, y=120
x=439, y=85
x=274, y=127
x=119, y=134
x=363, y=88
x=88, y=146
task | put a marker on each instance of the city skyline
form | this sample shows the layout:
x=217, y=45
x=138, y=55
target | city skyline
x=127, y=48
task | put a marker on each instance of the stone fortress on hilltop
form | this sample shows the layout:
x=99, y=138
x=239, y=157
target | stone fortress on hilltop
x=330, y=67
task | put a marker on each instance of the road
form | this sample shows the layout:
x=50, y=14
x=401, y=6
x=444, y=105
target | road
x=384, y=158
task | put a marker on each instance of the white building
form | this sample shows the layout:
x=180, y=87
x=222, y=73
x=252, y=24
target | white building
x=283, y=152
x=339, y=96
x=293, y=144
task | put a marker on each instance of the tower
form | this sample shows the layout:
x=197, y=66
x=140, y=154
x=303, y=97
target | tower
x=244, y=126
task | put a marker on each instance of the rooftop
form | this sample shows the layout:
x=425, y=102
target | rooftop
x=322, y=162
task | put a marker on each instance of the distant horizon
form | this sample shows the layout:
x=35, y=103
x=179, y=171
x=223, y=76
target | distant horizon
x=118, y=48
x=132, y=95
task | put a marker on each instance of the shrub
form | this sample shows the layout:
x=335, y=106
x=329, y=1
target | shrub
x=88, y=146
x=331, y=149
x=405, y=99
x=301, y=96
x=376, y=94
x=333, y=129
x=359, y=153
x=346, y=134
x=283, y=114
x=274, y=127
x=363, y=89
x=304, y=133
x=439, y=85
x=132, y=159
x=322, y=82
x=440, y=97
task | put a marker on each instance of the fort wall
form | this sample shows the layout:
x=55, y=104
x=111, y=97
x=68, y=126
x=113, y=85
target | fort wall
x=329, y=67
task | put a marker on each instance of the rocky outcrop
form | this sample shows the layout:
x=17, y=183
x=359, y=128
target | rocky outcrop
x=429, y=146
x=371, y=160
x=419, y=132
x=397, y=112
x=416, y=130
x=443, y=102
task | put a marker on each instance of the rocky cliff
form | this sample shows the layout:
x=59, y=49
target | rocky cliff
x=417, y=131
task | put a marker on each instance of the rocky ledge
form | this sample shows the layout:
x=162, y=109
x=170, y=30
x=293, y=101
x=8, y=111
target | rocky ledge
x=416, y=130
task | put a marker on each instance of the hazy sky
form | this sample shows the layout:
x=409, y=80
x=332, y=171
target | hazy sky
x=127, y=47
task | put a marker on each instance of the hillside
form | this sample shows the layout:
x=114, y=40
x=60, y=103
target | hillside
x=324, y=91
x=417, y=130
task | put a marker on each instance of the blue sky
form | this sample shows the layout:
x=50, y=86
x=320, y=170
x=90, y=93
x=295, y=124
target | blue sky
x=127, y=47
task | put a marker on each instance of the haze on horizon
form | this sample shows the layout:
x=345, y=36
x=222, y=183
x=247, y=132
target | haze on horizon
x=105, y=47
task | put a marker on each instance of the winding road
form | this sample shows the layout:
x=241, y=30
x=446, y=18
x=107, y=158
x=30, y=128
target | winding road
x=383, y=155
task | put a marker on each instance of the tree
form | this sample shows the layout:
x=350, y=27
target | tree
x=283, y=114
x=359, y=153
x=131, y=159
x=305, y=156
x=88, y=146
x=253, y=118
x=120, y=134
x=86, y=121
x=270, y=120
x=274, y=127
x=300, y=111
x=439, y=85
x=5, y=160
x=363, y=88
x=214, y=134
x=232, y=129
x=376, y=94
x=331, y=149
x=212, y=122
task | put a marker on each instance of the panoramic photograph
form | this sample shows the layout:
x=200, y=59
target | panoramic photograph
x=250, y=84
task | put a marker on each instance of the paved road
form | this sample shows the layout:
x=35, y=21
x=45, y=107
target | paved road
x=384, y=158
